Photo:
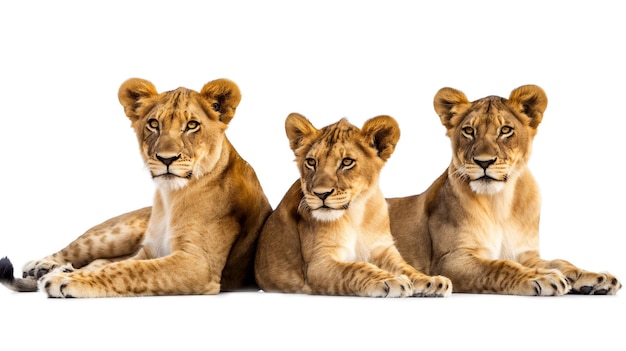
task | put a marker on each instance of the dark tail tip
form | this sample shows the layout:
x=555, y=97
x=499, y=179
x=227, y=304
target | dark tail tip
x=6, y=270
x=7, y=279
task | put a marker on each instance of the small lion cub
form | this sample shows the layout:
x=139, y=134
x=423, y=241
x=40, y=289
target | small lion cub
x=330, y=234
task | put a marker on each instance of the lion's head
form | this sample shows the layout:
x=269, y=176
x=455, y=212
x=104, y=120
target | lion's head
x=491, y=137
x=180, y=132
x=339, y=164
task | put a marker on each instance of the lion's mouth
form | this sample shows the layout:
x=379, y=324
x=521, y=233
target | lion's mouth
x=169, y=175
x=325, y=207
x=487, y=178
x=323, y=211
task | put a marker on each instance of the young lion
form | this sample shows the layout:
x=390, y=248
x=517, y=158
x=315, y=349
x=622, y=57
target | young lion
x=330, y=233
x=478, y=223
x=200, y=235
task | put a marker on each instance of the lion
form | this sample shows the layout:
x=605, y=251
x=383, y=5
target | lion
x=330, y=233
x=478, y=223
x=198, y=237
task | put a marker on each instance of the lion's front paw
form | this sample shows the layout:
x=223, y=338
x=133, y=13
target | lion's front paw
x=38, y=268
x=398, y=286
x=548, y=283
x=589, y=283
x=55, y=284
x=436, y=286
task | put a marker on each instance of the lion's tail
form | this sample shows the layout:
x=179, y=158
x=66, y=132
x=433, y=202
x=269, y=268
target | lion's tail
x=16, y=284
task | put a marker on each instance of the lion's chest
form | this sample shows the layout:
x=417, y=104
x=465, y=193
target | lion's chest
x=497, y=228
x=503, y=240
x=351, y=246
x=355, y=244
x=157, y=240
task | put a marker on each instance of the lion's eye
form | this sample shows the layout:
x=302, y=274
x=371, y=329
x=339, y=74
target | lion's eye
x=505, y=130
x=469, y=131
x=191, y=125
x=347, y=163
x=153, y=123
x=216, y=107
x=310, y=163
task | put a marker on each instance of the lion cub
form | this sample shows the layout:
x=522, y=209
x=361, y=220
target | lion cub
x=330, y=233
x=199, y=236
x=478, y=223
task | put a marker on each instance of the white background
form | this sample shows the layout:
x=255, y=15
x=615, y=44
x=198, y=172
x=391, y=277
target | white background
x=71, y=159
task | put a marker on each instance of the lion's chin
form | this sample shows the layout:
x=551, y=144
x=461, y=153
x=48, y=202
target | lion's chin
x=325, y=214
x=170, y=182
x=487, y=186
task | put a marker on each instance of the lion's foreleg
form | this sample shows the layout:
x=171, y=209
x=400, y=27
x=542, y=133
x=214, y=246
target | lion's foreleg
x=475, y=274
x=388, y=258
x=332, y=277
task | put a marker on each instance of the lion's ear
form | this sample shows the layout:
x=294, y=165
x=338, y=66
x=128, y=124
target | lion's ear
x=530, y=100
x=131, y=94
x=223, y=96
x=297, y=128
x=382, y=133
x=449, y=103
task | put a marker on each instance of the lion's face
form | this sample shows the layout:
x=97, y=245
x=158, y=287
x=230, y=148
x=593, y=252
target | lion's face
x=340, y=163
x=180, y=132
x=491, y=137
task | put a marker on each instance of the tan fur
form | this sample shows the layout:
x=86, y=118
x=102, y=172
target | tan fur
x=483, y=232
x=330, y=233
x=200, y=235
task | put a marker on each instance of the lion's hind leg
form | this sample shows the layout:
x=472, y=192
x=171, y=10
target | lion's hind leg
x=117, y=238
x=170, y=275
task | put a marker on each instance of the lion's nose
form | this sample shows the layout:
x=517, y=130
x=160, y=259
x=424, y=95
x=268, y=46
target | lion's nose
x=484, y=163
x=168, y=160
x=324, y=195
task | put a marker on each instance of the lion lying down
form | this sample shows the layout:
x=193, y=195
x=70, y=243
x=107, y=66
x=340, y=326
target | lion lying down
x=330, y=233
x=478, y=223
x=200, y=235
